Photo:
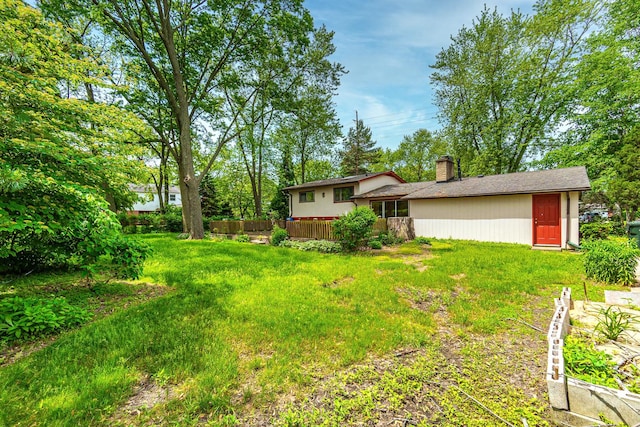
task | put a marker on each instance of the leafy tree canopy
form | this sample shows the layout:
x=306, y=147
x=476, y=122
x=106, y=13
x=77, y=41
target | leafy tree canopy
x=61, y=156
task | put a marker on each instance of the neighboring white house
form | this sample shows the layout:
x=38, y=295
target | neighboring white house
x=148, y=200
x=538, y=208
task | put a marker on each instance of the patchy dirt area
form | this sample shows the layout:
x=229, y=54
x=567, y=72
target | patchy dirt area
x=458, y=379
x=146, y=394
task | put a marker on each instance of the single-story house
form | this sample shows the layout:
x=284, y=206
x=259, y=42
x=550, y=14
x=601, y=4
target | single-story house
x=148, y=200
x=537, y=208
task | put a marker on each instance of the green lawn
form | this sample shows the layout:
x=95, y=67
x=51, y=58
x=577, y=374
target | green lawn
x=243, y=325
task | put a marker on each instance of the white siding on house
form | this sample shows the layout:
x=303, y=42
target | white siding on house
x=325, y=207
x=574, y=223
x=377, y=182
x=149, y=202
x=506, y=219
x=322, y=206
x=490, y=219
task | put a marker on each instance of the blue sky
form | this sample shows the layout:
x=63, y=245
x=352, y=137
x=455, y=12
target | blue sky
x=387, y=47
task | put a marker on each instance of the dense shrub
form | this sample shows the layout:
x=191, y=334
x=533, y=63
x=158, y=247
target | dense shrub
x=610, y=262
x=375, y=244
x=353, y=229
x=324, y=246
x=598, y=230
x=30, y=318
x=278, y=235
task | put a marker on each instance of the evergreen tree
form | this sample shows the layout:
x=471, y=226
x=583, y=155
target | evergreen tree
x=212, y=206
x=280, y=202
x=360, y=152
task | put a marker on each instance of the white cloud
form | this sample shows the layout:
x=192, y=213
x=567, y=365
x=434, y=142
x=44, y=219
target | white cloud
x=387, y=46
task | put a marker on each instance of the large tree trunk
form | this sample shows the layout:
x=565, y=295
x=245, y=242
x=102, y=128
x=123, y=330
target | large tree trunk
x=189, y=183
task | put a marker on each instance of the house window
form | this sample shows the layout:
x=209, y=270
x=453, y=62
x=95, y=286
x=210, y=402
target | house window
x=172, y=197
x=307, y=196
x=390, y=208
x=342, y=194
x=378, y=208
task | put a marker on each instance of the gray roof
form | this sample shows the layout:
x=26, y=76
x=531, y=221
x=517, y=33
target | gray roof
x=547, y=181
x=340, y=181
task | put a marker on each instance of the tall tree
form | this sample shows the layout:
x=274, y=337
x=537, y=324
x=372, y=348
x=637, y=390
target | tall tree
x=415, y=158
x=184, y=47
x=603, y=128
x=360, y=152
x=504, y=85
x=57, y=151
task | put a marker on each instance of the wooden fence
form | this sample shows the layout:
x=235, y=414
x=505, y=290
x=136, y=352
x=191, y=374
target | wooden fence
x=310, y=229
x=248, y=226
x=320, y=230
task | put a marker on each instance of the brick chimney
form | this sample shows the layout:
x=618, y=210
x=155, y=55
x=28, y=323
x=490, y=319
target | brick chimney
x=444, y=169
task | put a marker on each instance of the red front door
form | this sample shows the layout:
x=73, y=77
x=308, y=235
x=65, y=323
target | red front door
x=546, y=219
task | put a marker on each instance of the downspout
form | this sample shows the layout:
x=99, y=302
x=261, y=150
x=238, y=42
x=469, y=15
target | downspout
x=568, y=242
x=290, y=203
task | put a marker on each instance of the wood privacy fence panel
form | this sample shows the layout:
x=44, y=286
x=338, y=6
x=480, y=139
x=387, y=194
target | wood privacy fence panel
x=320, y=230
x=312, y=229
x=380, y=226
x=235, y=227
x=316, y=229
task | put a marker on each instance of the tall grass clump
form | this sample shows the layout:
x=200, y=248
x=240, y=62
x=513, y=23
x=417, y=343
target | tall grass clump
x=611, y=262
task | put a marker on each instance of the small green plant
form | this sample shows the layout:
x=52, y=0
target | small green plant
x=243, y=238
x=584, y=362
x=323, y=246
x=375, y=244
x=353, y=229
x=422, y=240
x=613, y=322
x=31, y=318
x=610, y=262
x=388, y=238
x=278, y=235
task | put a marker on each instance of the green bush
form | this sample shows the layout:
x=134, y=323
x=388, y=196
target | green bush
x=584, y=362
x=324, y=246
x=388, y=238
x=610, y=262
x=243, y=238
x=598, y=230
x=353, y=229
x=422, y=240
x=278, y=235
x=375, y=244
x=173, y=222
x=31, y=318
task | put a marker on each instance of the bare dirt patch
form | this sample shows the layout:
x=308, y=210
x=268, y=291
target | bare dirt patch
x=412, y=385
x=146, y=395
